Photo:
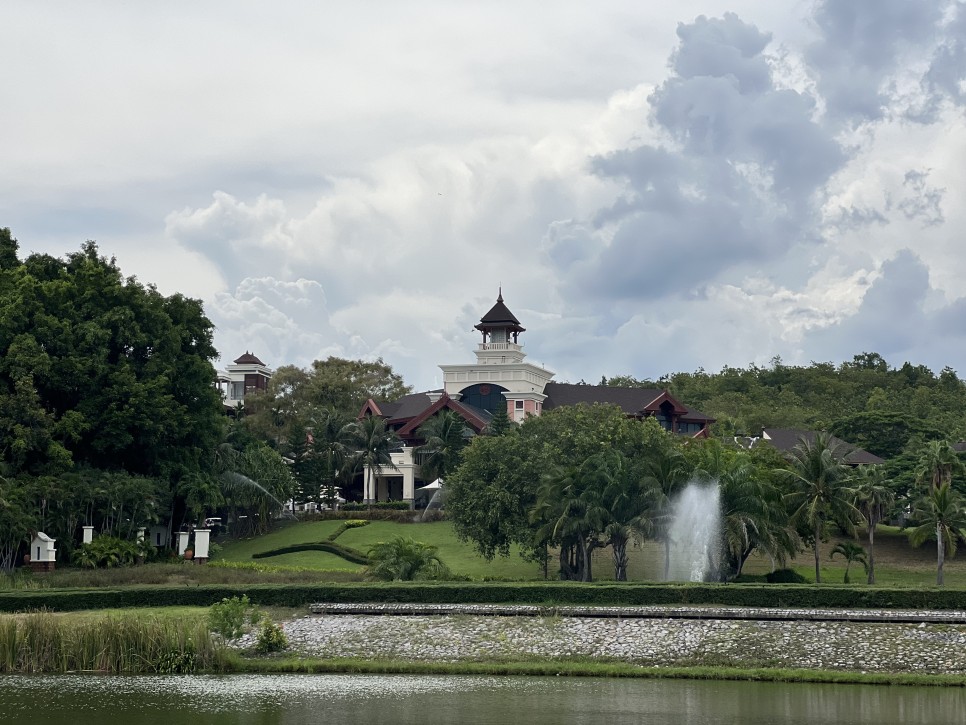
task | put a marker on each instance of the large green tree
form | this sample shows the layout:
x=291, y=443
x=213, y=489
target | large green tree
x=445, y=435
x=100, y=370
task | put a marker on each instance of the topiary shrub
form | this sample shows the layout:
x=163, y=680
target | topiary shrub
x=785, y=576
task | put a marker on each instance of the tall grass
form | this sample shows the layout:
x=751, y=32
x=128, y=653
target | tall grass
x=132, y=643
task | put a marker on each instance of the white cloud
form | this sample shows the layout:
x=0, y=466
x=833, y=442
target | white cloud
x=653, y=191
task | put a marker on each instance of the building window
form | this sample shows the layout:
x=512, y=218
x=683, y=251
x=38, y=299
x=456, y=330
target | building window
x=518, y=405
x=237, y=391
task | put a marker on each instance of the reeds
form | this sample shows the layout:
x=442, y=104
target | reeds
x=130, y=643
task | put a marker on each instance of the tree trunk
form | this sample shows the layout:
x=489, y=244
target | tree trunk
x=619, y=546
x=667, y=558
x=586, y=575
x=818, y=570
x=940, y=554
x=872, y=551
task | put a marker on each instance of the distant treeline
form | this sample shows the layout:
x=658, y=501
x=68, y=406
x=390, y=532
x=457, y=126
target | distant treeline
x=881, y=408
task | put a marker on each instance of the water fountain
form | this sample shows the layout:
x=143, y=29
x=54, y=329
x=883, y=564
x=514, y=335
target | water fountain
x=695, y=532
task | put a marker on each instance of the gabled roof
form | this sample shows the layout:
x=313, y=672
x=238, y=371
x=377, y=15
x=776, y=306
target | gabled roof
x=248, y=359
x=785, y=439
x=632, y=401
x=411, y=411
x=469, y=413
x=499, y=316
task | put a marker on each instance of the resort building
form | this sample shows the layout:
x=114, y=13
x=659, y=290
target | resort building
x=244, y=376
x=502, y=378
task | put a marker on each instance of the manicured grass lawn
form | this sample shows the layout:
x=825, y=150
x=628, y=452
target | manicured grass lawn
x=287, y=535
x=312, y=560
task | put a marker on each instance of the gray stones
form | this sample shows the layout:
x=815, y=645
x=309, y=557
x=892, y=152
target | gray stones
x=828, y=639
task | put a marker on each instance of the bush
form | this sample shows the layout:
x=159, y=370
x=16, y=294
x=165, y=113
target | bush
x=380, y=506
x=539, y=593
x=270, y=638
x=402, y=559
x=785, y=576
x=231, y=618
x=107, y=552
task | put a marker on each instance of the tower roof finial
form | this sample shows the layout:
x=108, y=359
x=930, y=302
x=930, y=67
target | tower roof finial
x=499, y=296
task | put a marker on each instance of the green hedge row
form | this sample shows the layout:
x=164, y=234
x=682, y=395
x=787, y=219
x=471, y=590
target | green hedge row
x=328, y=546
x=545, y=593
x=378, y=506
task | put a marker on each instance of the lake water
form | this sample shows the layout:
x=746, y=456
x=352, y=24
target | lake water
x=298, y=699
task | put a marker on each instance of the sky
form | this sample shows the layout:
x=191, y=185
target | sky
x=654, y=188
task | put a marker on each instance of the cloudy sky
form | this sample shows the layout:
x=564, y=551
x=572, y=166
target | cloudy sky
x=655, y=189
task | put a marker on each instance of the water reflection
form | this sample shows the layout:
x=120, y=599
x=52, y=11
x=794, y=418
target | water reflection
x=297, y=699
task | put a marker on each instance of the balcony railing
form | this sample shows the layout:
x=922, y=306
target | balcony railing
x=504, y=346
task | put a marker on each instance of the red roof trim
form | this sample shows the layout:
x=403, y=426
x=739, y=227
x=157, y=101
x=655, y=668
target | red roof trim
x=370, y=408
x=655, y=404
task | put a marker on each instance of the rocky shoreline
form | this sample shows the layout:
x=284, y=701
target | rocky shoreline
x=858, y=641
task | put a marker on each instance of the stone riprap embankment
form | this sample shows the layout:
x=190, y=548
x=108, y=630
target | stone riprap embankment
x=861, y=640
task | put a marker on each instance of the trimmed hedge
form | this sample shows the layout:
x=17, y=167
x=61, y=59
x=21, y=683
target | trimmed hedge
x=378, y=506
x=545, y=593
x=330, y=547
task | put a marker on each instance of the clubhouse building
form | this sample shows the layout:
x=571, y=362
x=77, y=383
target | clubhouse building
x=502, y=378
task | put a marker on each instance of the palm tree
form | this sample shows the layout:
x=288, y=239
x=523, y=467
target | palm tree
x=374, y=443
x=936, y=464
x=333, y=434
x=753, y=516
x=873, y=498
x=445, y=436
x=666, y=473
x=820, y=494
x=943, y=517
x=851, y=552
x=625, y=500
x=402, y=559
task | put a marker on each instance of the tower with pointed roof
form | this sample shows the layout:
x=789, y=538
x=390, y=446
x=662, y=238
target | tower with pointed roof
x=246, y=375
x=500, y=376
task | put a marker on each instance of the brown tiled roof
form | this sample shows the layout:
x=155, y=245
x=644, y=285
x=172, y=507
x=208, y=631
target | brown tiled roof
x=785, y=439
x=499, y=316
x=633, y=401
x=248, y=359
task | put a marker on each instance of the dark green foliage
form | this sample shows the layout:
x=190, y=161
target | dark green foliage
x=785, y=576
x=403, y=559
x=100, y=370
x=376, y=506
x=330, y=547
x=107, y=552
x=549, y=594
x=886, y=434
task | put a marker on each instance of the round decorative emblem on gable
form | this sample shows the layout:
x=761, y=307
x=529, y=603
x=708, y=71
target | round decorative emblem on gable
x=484, y=390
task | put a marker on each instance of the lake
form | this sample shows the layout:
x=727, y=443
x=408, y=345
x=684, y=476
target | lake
x=297, y=699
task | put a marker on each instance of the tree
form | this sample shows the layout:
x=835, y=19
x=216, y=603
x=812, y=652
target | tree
x=820, y=495
x=936, y=464
x=101, y=373
x=500, y=423
x=403, y=559
x=874, y=499
x=15, y=517
x=666, y=473
x=332, y=448
x=943, y=517
x=374, y=443
x=852, y=553
x=445, y=436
